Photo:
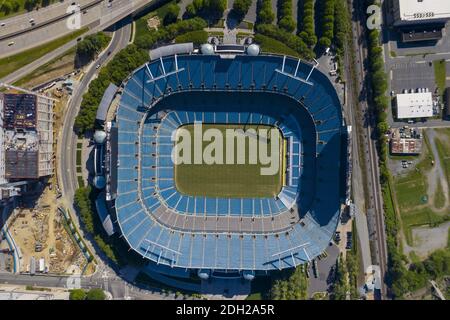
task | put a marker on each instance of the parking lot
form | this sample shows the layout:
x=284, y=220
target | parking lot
x=412, y=75
x=392, y=40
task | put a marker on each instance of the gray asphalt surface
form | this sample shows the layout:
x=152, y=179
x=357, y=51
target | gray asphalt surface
x=115, y=285
x=21, y=22
x=98, y=16
x=66, y=163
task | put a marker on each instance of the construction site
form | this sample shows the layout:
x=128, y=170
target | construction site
x=44, y=238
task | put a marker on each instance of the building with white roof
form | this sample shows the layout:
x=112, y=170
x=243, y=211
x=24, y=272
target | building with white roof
x=409, y=12
x=414, y=105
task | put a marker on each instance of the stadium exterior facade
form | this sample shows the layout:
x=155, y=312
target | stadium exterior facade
x=236, y=236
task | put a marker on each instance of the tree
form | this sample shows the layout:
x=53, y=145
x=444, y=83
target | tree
x=325, y=42
x=92, y=45
x=339, y=289
x=265, y=12
x=190, y=10
x=286, y=21
x=172, y=14
x=197, y=37
x=77, y=294
x=240, y=8
x=95, y=294
x=307, y=23
x=289, y=39
x=291, y=286
x=216, y=7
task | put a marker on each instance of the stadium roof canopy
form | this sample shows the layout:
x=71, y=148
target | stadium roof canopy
x=106, y=102
x=414, y=105
x=170, y=50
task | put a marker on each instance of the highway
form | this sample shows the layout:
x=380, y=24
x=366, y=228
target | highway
x=21, y=24
x=99, y=16
x=363, y=115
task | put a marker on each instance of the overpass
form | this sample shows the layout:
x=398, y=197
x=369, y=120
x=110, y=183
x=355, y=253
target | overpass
x=95, y=15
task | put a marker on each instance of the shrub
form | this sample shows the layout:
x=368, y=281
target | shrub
x=95, y=294
x=286, y=21
x=240, y=8
x=172, y=14
x=197, y=37
x=77, y=294
x=289, y=39
x=307, y=23
x=92, y=45
x=265, y=12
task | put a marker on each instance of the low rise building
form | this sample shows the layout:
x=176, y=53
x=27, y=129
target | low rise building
x=406, y=141
x=420, y=20
x=414, y=105
x=421, y=12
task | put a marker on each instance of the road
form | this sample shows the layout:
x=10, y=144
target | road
x=119, y=289
x=21, y=24
x=25, y=70
x=100, y=15
x=363, y=115
x=67, y=140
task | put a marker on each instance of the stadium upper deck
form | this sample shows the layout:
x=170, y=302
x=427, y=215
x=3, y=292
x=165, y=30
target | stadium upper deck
x=228, y=234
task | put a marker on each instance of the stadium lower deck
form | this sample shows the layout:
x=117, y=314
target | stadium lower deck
x=231, y=234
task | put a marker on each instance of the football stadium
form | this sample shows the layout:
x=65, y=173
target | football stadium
x=226, y=218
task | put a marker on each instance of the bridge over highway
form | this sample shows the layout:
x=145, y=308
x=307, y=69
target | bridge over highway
x=95, y=15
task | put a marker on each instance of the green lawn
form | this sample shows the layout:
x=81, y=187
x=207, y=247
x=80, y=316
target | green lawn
x=21, y=8
x=197, y=37
x=411, y=188
x=410, y=191
x=46, y=68
x=439, y=197
x=227, y=180
x=440, y=74
x=421, y=217
x=17, y=61
x=141, y=23
x=270, y=45
x=444, y=156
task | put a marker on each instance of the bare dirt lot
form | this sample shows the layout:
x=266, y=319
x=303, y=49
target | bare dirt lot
x=40, y=233
x=427, y=240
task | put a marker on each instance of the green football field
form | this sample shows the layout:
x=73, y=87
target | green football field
x=229, y=180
